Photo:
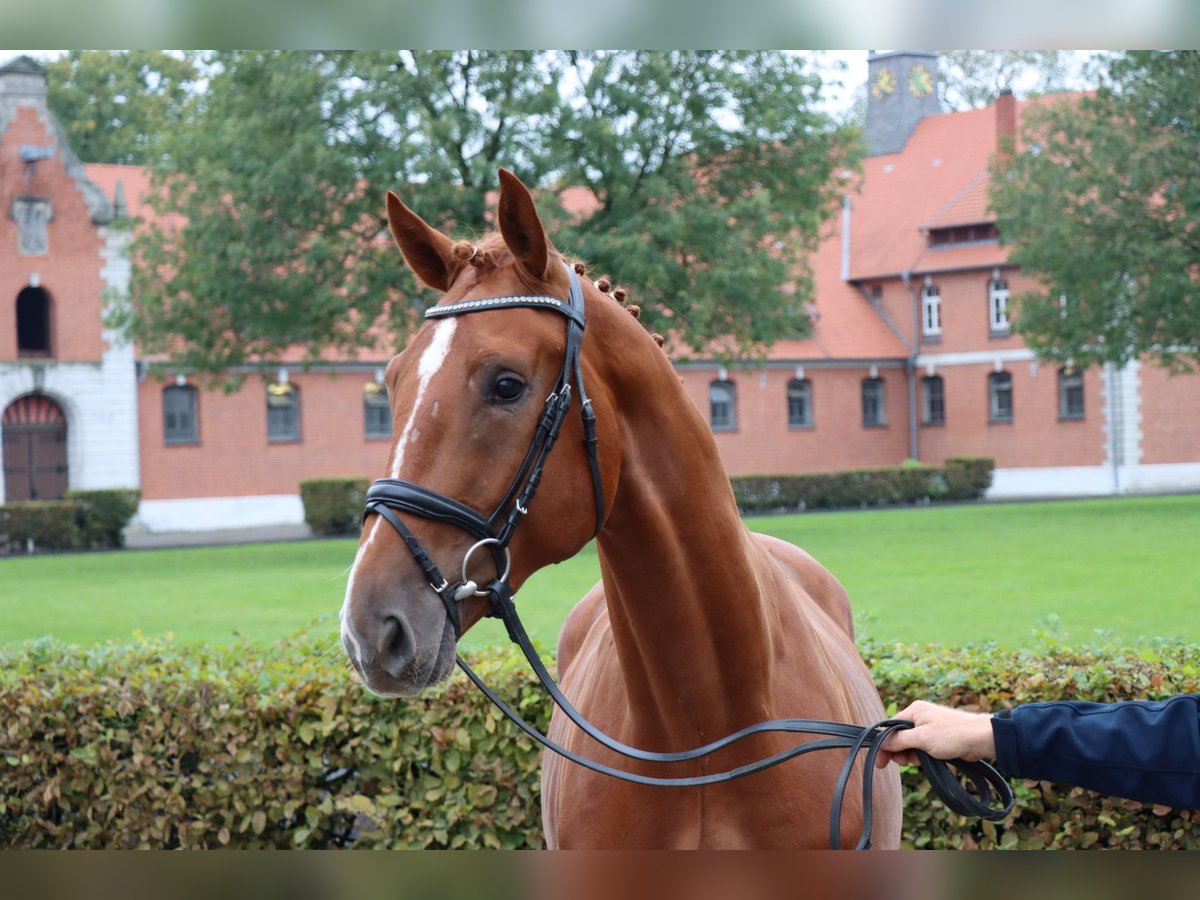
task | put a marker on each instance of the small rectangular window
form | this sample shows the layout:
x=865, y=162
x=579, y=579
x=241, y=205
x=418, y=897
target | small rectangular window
x=179, y=415
x=1070, y=394
x=377, y=413
x=872, y=402
x=799, y=396
x=721, y=406
x=933, y=400
x=931, y=311
x=1000, y=397
x=283, y=412
x=998, y=306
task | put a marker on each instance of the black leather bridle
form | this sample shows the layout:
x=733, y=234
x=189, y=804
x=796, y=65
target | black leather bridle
x=496, y=531
x=390, y=495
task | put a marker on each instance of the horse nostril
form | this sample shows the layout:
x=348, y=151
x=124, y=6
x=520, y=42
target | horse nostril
x=396, y=646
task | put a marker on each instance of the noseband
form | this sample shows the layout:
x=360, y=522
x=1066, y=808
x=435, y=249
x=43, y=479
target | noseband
x=388, y=495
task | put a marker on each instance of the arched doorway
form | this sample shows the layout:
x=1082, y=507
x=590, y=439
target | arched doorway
x=35, y=449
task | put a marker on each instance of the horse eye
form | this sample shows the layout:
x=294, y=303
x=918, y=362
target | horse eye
x=507, y=388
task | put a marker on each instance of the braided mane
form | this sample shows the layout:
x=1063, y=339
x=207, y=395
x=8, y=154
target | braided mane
x=490, y=252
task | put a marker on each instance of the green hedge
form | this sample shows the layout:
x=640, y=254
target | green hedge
x=85, y=520
x=151, y=746
x=334, y=505
x=962, y=478
x=968, y=477
x=103, y=516
x=46, y=524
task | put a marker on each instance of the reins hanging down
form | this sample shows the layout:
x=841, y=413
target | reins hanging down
x=388, y=496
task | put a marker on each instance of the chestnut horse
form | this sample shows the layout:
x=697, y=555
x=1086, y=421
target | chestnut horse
x=699, y=627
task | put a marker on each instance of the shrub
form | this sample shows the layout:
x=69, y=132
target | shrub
x=968, y=477
x=835, y=490
x=104, y=514
x=148, y=746
x=49, y=524
x=334, y=505
x=1046, y=815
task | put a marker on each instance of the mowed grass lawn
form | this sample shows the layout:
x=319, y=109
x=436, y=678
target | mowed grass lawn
x=943, y=574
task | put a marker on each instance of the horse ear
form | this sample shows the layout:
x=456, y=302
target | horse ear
x=428, y=252
x=521, y=227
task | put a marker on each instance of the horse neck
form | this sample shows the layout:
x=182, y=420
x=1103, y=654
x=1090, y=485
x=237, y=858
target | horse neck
x=688, y=590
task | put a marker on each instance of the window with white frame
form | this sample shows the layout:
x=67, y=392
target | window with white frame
x=799, y=398
x=933, y=400
x=722, y=406
x=931, y=310
x=1070, y=393
x=998, y=306
x=872, y=402
x=1000, y=397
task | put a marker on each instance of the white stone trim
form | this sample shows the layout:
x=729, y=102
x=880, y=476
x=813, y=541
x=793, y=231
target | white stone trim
x=1091, y=481
x=214, y=513
x=975, y=357
x=1120, y=392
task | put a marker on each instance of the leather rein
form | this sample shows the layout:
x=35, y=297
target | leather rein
x=389, y=495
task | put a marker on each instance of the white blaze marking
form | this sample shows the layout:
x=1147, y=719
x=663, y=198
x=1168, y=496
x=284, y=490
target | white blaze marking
x=431, y=362
x=429, y=365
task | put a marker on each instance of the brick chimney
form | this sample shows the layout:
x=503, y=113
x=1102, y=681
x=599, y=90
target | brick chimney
x=1006, y=122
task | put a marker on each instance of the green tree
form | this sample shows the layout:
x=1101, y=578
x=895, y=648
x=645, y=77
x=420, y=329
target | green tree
x=712, y=175
x=970, y=79
x=269, y=237
x=1103, y=206
x=113, y=104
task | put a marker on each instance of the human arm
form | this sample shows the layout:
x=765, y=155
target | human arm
x=1144, y=750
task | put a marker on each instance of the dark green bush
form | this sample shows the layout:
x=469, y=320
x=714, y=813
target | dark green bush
x=838, y=490
x=334, y=505
x=103, y=515
x=149, y=746
x=49, y=524
x=963, y=478
x=968, y=477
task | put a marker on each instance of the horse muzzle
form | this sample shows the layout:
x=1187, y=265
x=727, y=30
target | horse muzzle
x=397, y=657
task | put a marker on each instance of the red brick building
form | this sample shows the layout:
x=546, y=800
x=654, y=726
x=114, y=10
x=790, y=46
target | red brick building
x=911, y=353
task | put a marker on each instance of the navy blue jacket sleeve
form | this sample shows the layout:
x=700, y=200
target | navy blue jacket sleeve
x=1143, y=750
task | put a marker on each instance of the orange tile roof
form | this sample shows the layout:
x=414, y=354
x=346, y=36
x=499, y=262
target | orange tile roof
x=969, y=206
x=956, y=257
x=134, y=179
x=844, y=324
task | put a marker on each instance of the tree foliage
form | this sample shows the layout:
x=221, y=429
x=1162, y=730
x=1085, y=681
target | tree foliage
x=1103, y=206
x=970, y=79
x=269, y=240
x=711, y=175
x=113, y=104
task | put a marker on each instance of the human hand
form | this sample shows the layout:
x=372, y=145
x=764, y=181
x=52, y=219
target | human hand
x=940, y=731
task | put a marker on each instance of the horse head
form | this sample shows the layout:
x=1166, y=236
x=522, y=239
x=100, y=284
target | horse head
x=468, y=396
